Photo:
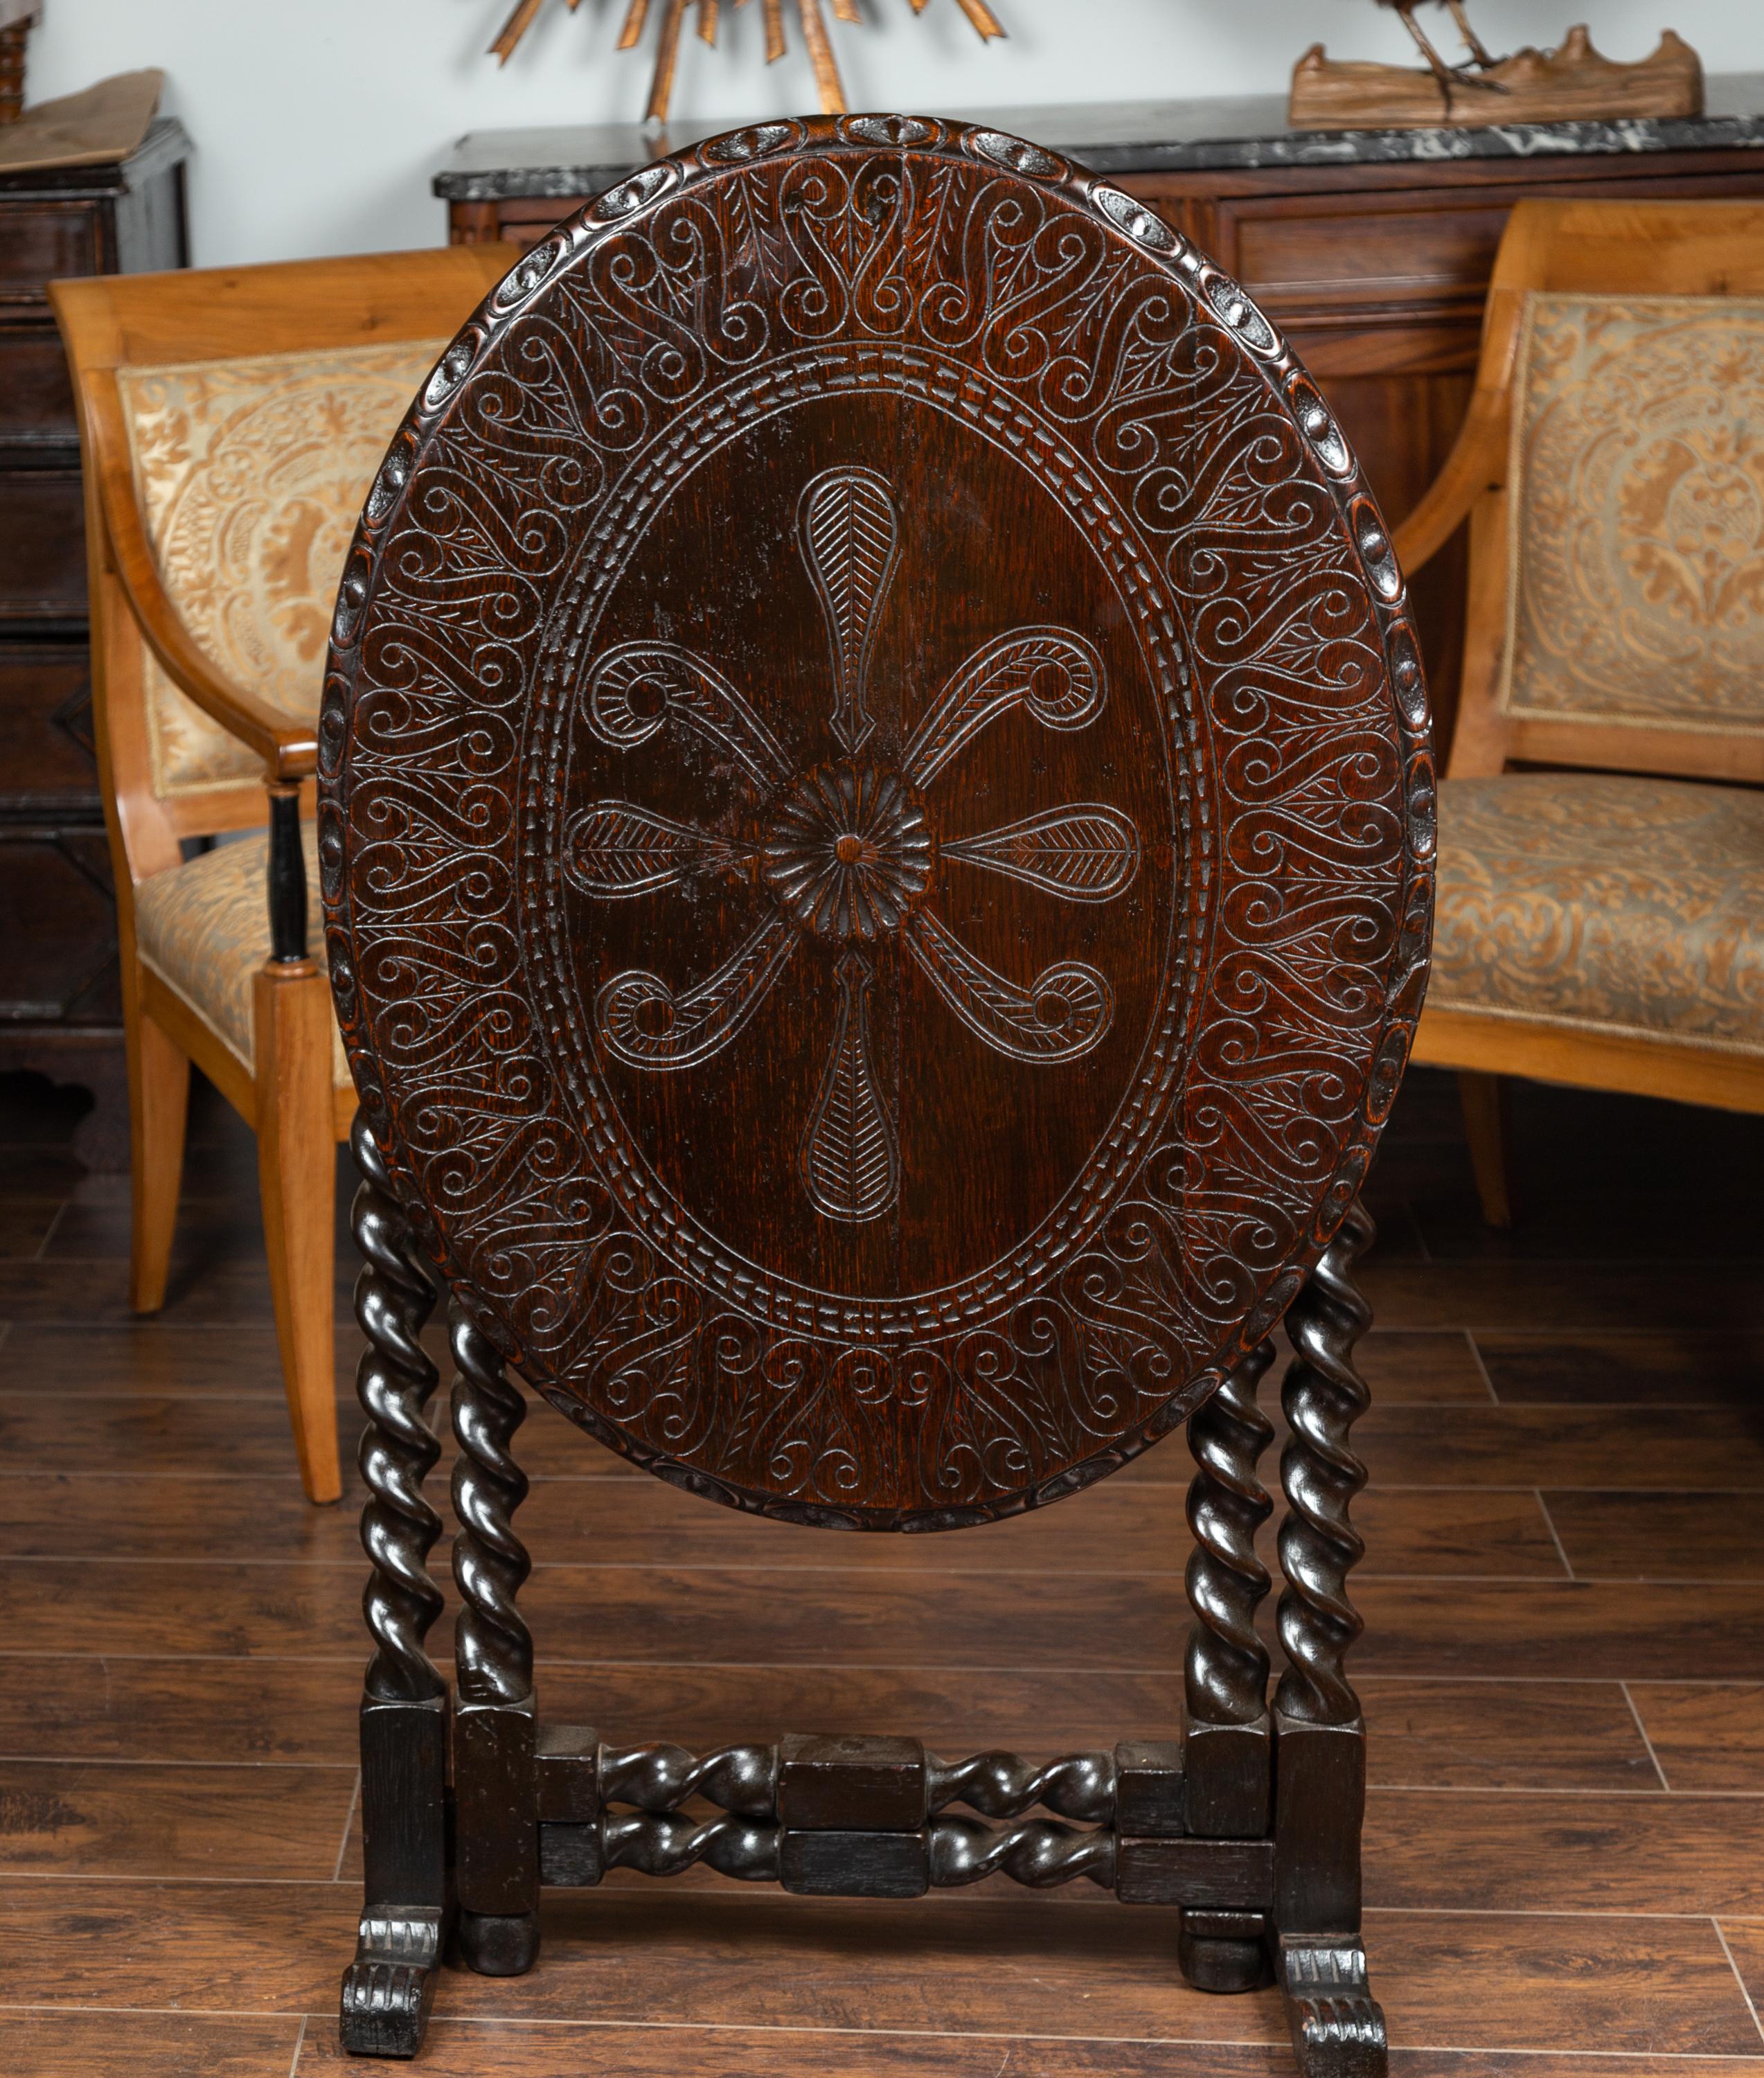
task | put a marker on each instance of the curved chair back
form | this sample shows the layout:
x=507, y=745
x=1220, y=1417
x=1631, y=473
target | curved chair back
x=1612, y=467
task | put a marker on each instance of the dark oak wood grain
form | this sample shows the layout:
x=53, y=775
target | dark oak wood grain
x=73, y=1818
x=1685, y=1370
x=1640, y=1985
x=1744, y=1939
x=1706, y=1735
x=54, y=1513
x=72, y=2044
x=1589, y=1853
x=1660, y=1536
x=1490, y=1735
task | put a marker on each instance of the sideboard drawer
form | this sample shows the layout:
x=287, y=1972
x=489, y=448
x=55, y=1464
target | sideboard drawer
x=42, y=545
x=58, y=924
x=48, y=756
x=1306, y=254
x=39, y=243
x=36, y=391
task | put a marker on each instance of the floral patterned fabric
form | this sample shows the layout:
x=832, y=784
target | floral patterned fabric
x=1635, y=905
x=203, y=928
x=1637, y=527
x=251, y=474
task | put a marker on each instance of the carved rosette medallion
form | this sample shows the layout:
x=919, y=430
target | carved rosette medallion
x=847, y=855
x=846, y=851
x=876, y=822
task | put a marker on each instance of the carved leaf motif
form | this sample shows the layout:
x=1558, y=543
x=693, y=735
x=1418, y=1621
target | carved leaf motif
x=1064, y=1014
x=616, y=848
x=642, y=1023
x=636, y=688
x=851, y=1164
x=850, y=540
x=1053, y=671
x=1087, y=852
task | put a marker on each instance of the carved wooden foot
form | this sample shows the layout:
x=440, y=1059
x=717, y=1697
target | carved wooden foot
x=389, y=1988
x=1320, y=1739
x=1337, y=2025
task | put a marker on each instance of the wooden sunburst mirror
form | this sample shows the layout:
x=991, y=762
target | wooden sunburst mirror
x=672, y=14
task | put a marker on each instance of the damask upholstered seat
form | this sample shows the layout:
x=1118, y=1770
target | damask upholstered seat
x=203, y=928
x=231, y=423
x=1603, y=903
x=1596, y=927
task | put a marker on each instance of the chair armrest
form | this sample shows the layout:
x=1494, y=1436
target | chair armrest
x=1478, y=462
x=289, y=748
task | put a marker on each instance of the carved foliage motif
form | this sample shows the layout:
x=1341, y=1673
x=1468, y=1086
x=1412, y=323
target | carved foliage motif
x=1150, y=399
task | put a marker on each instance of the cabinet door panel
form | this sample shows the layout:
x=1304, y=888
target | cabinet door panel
x=58, y=924
x=42, y=545
x=41, y=242
x=47, y=756
x=1350, y=253
x=36, y=392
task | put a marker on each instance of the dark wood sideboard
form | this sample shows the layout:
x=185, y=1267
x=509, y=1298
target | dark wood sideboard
x=60, y=1009
x=1372, y=249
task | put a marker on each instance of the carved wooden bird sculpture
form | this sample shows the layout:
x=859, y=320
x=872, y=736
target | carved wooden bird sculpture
x=672, y=14
x=1449, y=75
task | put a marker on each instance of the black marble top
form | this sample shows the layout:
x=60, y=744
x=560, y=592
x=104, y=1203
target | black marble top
x=1123, y=137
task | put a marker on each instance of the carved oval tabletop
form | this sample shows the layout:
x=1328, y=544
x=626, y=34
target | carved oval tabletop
x=876, y=821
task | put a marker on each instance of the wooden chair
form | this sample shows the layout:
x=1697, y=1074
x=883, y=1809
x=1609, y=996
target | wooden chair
x=1596, y=926
x=231, y=421
x=876, y=832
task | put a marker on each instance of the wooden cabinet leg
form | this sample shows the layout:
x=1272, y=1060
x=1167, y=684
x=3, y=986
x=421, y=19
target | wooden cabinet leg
x=406, y=1905
x=495, y=1730
x=1337, y=2029
x=1228, y=1743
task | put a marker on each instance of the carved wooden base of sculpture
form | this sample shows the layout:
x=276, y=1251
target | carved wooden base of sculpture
x=1573, y=84
x=1249, y=1826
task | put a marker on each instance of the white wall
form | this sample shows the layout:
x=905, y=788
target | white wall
x=318, y=123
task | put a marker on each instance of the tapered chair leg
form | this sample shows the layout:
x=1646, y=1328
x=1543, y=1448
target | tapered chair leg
x=297, y=1175
x=158, y=1106
x=1488, y=1125
x=1337, y=2029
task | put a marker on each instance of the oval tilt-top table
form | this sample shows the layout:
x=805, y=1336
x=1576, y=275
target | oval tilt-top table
x=876, y=825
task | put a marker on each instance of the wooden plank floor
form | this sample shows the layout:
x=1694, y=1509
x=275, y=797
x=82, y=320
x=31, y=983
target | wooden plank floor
x=1563, y=1668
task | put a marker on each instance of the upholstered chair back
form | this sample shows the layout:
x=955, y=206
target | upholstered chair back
x=249, y=474
x=1636, y=516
